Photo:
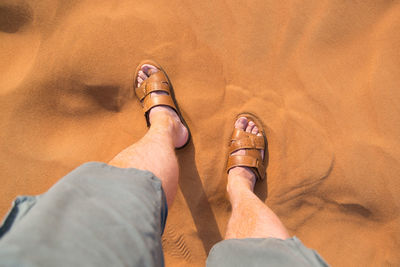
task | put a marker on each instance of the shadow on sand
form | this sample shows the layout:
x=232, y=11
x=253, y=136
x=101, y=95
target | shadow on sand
x=200, y=208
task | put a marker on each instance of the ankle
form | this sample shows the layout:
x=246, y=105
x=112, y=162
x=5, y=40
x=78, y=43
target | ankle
x=161, y=117
x=239, y=181
x=242, y=175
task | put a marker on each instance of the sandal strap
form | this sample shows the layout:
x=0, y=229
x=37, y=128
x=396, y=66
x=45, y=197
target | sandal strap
x=157, y=100
x=252, y=146
x=239, y=134
x=251, y=142
x=156, y=82
x=255, y=163
x=241, y=139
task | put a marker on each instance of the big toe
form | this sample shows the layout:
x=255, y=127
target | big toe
x=149, y=69
x=241, y=123
x=145, y=71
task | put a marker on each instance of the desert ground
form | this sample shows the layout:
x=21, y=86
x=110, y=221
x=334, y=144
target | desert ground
x=324, y=77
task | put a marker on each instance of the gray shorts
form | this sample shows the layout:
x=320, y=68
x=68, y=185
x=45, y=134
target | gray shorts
x=100, y=215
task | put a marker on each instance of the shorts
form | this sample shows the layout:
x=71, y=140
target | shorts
x=100, y=215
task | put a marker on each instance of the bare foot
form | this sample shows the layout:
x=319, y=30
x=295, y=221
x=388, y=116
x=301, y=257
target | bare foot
x=162, y=113
x=240, y=177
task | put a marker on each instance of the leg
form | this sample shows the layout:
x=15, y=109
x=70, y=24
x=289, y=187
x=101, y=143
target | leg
x=100, y=214
x=255, y=235
x=155, y=152
x=250, y=218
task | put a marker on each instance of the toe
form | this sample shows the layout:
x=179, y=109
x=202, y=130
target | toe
x=241, y=123
x=250, y=126
x=149, y=69
x=140, y=80
x=142, y=75
x=255, y=130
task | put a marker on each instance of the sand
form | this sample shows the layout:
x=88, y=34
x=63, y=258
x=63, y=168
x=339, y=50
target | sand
x=323, y=75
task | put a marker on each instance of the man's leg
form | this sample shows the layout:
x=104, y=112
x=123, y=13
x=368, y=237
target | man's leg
x=255, y=236
x=101, y=215
x=250, y=218
x=155, y=152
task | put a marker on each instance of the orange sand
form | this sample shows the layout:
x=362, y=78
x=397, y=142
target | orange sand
x=323, y=75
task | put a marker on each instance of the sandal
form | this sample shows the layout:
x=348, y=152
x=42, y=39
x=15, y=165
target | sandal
x=251, y=144
x=157, y=82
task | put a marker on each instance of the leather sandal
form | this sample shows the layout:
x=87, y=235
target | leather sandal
x=157, y=82
x=251, y=145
